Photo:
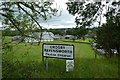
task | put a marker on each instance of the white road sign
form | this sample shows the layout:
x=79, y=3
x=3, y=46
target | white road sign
x=69, y=65
x=65, y=51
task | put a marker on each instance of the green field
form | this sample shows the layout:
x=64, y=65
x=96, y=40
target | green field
x=25, y=61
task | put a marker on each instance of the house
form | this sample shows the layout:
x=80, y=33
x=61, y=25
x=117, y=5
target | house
x=57, y=36
x=17, y=38
x=46, y=36
x=71, y=37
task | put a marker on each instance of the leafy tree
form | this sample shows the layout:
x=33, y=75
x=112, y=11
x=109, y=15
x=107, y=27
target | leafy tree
x=57, y=31
x=108, y=35
x=71, y=31
x=88, y=13
x=92, y=34
x=22, y=15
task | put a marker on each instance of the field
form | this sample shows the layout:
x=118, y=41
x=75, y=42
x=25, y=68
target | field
x=25, y=61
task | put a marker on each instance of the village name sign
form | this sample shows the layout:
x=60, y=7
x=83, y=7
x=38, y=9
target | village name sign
x=63, y=51
x=58, y=51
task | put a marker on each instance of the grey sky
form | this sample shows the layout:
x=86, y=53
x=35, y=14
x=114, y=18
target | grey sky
x=65, y=20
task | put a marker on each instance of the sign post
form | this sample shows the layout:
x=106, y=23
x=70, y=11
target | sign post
x=46, y=64
x=63, y=51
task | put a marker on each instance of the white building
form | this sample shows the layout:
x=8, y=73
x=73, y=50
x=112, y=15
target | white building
x=70, y=37
x=46, y=36
x=57, y=36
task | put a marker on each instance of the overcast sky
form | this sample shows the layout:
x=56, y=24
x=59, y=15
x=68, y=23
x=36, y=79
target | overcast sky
x=65, y=20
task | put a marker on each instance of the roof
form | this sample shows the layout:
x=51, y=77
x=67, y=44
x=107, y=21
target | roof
x=47, y=33
x=69, y=36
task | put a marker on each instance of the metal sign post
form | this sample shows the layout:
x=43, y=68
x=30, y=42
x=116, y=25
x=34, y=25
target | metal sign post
x=42, y=60
x=46, y=63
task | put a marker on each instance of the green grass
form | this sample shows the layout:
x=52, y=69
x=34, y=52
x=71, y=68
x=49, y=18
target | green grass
x=27, y=61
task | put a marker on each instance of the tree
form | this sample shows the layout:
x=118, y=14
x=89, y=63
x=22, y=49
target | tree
x=21, y=15
x=88, y=13
x=57, y=31
x=108, y=35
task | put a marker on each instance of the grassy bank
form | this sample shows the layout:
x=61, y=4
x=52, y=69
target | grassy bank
x=25, y=60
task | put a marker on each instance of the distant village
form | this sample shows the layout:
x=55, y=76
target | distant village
x=44, y=36
x=55, y=34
